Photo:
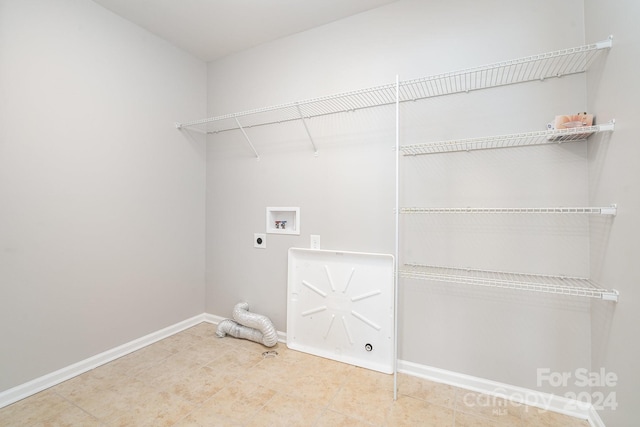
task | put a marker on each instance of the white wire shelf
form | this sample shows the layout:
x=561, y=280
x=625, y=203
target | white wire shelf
x=537, y=67
x=608, y=210
x=293, y=111
x=563, y=285
x=505, y=141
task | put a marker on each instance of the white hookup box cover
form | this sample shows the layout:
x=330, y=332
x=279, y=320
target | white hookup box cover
x=341, y=306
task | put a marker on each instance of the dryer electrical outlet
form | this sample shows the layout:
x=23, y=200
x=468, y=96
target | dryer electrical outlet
x=260, y=241
x=340, y=306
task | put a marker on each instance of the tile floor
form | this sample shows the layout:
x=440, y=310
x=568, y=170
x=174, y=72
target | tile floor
x=194, y=378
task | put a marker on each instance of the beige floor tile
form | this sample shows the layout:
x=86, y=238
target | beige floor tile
x=200, y=421
x=178, y=342
x=112, y=401
x=467, y=420
x=238, y=402
x=334, y=419
x=499, y=410
x=534, y=417
x=213, y=346
x=408, y=411
x=203, y=353
x=237, y=361
x=288, y=354
x=284, y=411
x=195, y=385
x=315, y=390
x=315, y=379
x=130, y=400
x=366, y=378
x=202, y=330
x=45, y=408
x=363, y=401
x=91, y=385
x=440, y=394
x=296, y=379
x=283, y=385
x=148, y=408
x=275, y=371
x=187, y=359
x=70, y=417
x=138, y=361
x=319, y=364
x=288, y=365
x=96, y=394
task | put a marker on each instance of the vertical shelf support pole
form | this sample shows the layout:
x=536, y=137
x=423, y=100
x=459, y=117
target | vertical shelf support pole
x=313, y=144
x=396, y=275
x=247, y=138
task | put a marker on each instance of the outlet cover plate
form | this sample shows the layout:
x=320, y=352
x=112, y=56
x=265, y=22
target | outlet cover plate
x=260, y=240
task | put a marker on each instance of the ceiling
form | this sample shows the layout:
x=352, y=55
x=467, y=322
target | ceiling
x=211, y=29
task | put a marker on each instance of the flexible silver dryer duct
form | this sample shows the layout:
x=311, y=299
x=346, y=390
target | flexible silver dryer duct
x=248, y=326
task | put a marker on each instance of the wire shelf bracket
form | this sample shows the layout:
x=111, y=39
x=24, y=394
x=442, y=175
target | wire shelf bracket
x=549, y=284
x=247, y=138
x=306, y=128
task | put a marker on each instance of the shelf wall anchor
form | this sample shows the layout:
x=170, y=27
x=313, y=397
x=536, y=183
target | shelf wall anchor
x=611, y=295
x=611, y=210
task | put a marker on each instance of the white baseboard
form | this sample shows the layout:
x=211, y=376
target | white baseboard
x=594, y=418
x=27, y=389
x=516, y=394
x=212, y=318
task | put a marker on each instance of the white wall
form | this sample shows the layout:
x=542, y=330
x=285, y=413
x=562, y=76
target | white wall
x=101, y=199
x=346, y=193
x=614, y=177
